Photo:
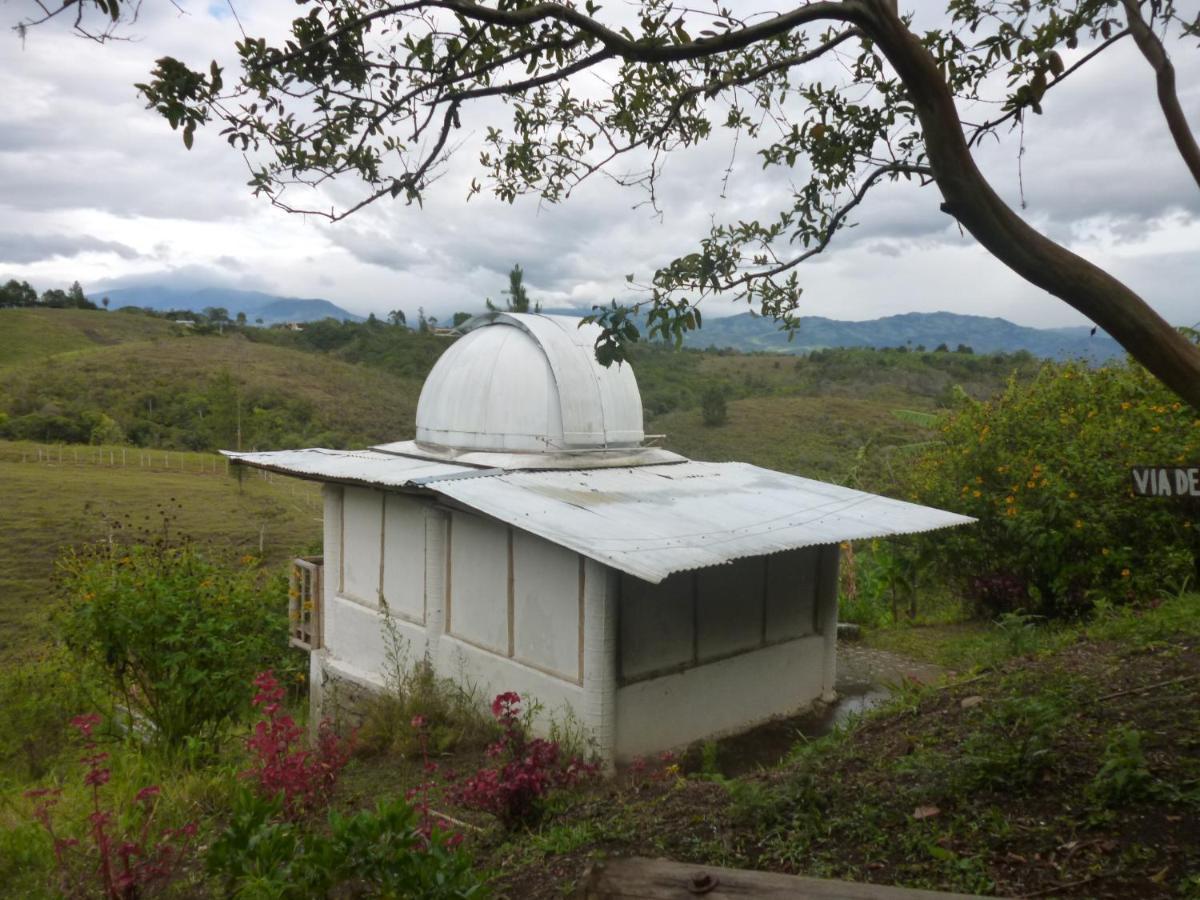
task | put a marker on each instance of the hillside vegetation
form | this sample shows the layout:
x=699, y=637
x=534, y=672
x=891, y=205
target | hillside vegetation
x=194, y=391
x=110, y=377
x=32, y=334
x=50, y=505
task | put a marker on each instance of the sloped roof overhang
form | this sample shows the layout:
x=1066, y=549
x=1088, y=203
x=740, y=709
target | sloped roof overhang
x=649, y=521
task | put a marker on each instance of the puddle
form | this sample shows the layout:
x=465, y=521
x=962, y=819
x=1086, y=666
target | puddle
x=769, y=743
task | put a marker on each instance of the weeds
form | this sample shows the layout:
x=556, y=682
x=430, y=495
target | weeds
x=452, y=710
x=115, y=861
x=1124, y=777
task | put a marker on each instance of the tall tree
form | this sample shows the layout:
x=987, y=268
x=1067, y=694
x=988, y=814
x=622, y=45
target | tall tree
x=18, y=293
x=396, y=317
x=373, y=90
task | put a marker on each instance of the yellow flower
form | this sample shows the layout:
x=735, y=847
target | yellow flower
x=1124, y=573
x=1073, y=496
x=976, y=494
x=1011, y=511
x=1104, y=550
x=1079, y=523
x=1126, y=405
x=1010, y=499
x=1155, y=428
x=1031, y=484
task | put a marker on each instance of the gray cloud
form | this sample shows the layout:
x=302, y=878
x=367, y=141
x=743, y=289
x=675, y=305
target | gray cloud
x=30, y=248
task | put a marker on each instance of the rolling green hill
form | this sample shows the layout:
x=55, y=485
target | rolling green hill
x=32, y=334
x=196, y=392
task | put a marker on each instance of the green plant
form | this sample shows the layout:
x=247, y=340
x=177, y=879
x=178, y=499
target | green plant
x=713, y=408
x=452, y=710
x=123, y=854
x=1014, y=746
x=380, y=852
x=1045, y=469
x=1124, y=776
x=177, y=636
x=39, y=695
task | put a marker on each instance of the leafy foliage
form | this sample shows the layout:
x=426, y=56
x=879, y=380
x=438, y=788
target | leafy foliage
x=380, y=852
x=525, y=771
x=177, y=637
x=1046, y=470
x=301, y=780
x=120, y=860
x=713, y=408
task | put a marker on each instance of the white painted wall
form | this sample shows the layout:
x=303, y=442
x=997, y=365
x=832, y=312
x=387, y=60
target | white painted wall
x=547, y=606
x=404, y=542
x=717, y=698
x=639, y=667
x=362, y=545
x=477, y=608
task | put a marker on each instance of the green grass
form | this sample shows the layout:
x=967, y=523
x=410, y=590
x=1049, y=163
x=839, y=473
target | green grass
x=1072, y=764
x=47, y=506
x=189, y=393
x=819, y=437
x=31, y=334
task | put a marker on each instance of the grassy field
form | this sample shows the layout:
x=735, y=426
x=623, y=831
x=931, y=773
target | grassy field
x=31, y=334
x=818, y=437
x=190, y=392
x=49, y=505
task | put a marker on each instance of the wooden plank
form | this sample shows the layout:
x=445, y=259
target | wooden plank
x=658, y=879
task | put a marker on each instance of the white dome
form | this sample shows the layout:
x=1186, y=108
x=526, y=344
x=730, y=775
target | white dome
x=525, y=383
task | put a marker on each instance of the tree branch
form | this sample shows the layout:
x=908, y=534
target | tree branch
x=835, y=222
x=981, y=130
x=1164, y=76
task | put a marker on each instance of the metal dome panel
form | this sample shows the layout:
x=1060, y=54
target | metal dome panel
x=529, y=383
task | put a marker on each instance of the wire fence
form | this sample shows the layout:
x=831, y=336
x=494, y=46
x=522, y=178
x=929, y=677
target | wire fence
x=183, y=461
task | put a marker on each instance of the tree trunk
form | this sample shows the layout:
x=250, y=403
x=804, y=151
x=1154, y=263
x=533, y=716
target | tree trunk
x=970, y=199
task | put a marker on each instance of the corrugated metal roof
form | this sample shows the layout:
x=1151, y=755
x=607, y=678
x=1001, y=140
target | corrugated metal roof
x=354, y=466
x=647, y=521
x=652, y=521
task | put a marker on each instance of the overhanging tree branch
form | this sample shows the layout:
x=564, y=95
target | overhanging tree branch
x=1164, y=77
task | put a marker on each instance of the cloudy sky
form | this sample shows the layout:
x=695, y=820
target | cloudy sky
x=96, y=188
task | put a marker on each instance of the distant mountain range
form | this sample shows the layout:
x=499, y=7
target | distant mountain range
x=256, y=305
x=748, y=332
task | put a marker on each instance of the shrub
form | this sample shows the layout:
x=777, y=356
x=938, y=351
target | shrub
x=376, y=853
x=177, y=636
x=526, y=770
x=37, y=695
x=301, y=780
x=454, y=713
x=121, y=858
x=1046, y=470
x=713, y=408
x=1124, y=776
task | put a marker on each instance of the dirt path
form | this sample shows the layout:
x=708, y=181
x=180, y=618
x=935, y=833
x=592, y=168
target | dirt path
x=861, y=667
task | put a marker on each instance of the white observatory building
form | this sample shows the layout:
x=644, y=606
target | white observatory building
x=528, y=541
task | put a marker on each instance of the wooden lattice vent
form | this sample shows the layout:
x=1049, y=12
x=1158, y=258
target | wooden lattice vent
x=304, y=602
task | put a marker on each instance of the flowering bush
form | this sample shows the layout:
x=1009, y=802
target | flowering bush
x=301, y=779
x=1045, y=468
x=525, y=769
x=116, y=864
x=177, y=636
